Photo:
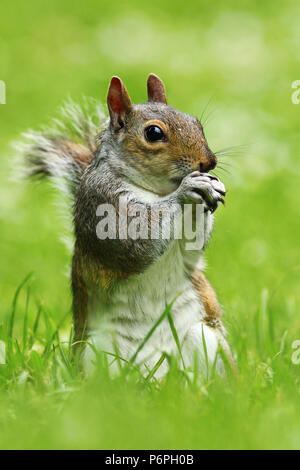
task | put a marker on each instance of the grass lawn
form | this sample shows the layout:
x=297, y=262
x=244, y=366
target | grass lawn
x=236, y=61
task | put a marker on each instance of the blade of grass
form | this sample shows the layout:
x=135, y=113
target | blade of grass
x=52, y=338
x=54, y=368
x=35, y=326
x=117, y=352
x=67, y=364
x=196, y=369
x=175, y=335
x=156, y=366
x=25, y=323
x=205, y=353
x=151, y=331
x=13, y=311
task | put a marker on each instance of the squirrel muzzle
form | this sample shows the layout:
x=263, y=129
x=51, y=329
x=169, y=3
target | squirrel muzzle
x=209, y=162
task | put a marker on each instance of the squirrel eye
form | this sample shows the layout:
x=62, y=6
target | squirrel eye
x=154, y=134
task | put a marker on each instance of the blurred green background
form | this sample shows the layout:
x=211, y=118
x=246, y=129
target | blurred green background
x=239, y=59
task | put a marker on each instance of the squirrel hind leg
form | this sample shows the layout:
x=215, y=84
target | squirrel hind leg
x=206, y=295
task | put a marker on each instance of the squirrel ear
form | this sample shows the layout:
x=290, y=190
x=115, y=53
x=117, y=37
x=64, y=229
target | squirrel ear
x=118, y=102
x=156, y=89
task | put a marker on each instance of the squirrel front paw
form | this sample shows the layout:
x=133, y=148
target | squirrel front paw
x=202, y=188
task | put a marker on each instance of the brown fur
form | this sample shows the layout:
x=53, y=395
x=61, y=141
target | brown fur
x=207, y=295
x=214, y=313
x=89, y=278
x=81, y=155
x=185, y=146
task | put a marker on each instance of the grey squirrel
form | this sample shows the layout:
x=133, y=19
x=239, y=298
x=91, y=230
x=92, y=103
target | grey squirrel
x=157, y=158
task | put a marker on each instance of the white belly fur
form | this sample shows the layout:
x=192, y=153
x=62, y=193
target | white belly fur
x=137, y=305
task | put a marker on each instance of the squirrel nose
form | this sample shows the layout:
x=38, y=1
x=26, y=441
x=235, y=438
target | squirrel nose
x=209, y=164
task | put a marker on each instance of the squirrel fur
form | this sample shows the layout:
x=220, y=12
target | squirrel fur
x=122, y=286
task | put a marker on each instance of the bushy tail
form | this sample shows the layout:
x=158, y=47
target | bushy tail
x=63, y=151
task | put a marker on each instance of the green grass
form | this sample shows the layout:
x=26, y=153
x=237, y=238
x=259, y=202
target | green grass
x=244, y=57
x=46, y=403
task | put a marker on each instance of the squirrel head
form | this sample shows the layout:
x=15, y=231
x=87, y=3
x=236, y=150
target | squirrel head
x=154, y=145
